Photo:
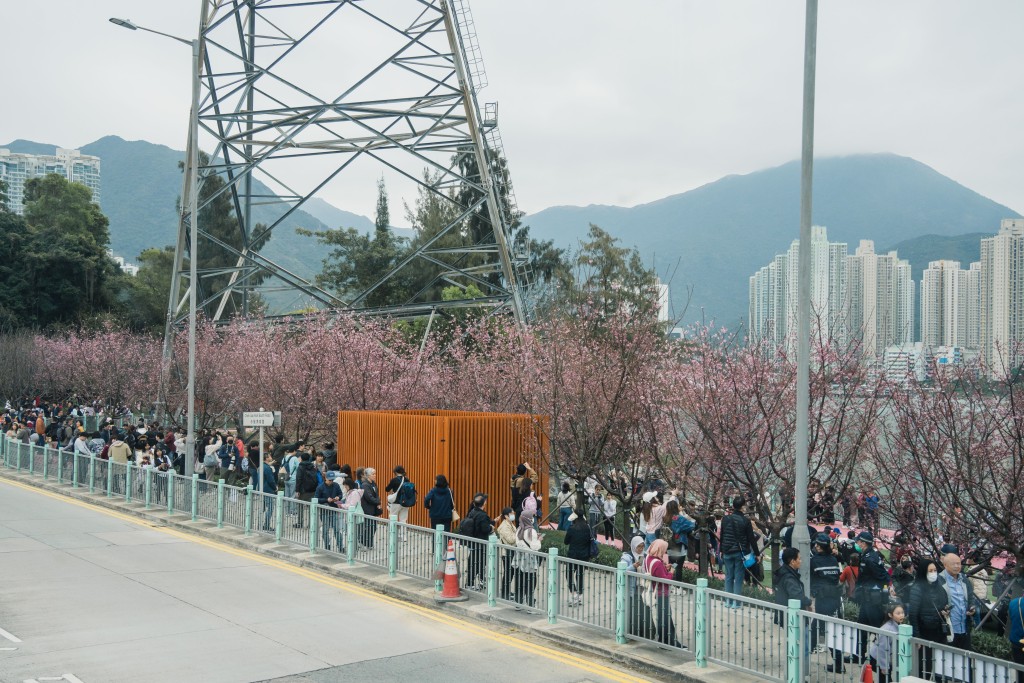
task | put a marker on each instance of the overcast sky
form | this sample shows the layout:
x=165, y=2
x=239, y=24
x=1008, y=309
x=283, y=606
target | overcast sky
x=604, y=101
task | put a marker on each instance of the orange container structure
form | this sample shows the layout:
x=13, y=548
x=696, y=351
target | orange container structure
x=477, y=452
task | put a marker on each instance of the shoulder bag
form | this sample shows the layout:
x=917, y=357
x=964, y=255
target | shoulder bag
x=455, y=513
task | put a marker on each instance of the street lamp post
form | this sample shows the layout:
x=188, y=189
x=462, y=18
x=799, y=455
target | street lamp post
x=801, y=538
x=193, y=196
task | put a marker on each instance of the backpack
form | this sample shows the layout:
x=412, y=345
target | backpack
x=467, y=527
x=406, y=495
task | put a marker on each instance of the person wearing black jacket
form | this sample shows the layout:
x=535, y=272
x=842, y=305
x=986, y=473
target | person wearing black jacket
x=306, y=483
x=871, y=593
x=927, y=609
x=788, y=585
x=826, y=591
x=737, y=540
x=578, y=538
x=440, y=503
x=370, y=503
x=477, y=524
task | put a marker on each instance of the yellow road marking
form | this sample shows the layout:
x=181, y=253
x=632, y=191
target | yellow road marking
x=454, y=622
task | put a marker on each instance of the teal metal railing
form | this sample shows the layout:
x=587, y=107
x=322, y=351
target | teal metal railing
x=773, y=642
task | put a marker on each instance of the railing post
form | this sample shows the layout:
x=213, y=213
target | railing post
x=46, y=462
x=438, y=552
x=195, y=496
x=248, y=509
x=74, y=469
x=314, y=519
x=220, y=503
x=147, y=474
x=127, y=481
x=700, y=623
x=60, y=467
x=392, y=546
x=350, y=535
x=620, y=603
x=279, y=517
x=793, y=645
x=92, y=473
x=553, y=585
x=19, y=457
x=904, y=657
x=31, y=460
x=171, y=477
x=492, y=571
x=110, y=479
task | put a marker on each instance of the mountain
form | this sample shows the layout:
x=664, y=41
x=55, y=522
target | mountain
x=140, y=186
x=715, y=237
x=333, y=217
x=920, y=251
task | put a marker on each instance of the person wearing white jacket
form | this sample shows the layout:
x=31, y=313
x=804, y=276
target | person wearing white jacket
x=526, y=563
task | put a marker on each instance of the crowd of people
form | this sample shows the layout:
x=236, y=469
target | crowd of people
x=934, y=595
x=941, y=601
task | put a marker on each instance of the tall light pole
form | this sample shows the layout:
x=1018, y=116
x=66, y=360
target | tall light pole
x=193, y=201
x=801, y=538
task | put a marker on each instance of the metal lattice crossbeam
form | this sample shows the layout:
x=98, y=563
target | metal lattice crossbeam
x=405, y=102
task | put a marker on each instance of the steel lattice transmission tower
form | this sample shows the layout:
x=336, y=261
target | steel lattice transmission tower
x=282, y=117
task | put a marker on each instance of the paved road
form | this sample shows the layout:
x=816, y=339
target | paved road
x=95, y=596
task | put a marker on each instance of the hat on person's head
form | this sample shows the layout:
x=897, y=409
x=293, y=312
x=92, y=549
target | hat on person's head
x=949, y=549
x=649, y=496
x=333, y=475
x=866, y=537
x=822, y=539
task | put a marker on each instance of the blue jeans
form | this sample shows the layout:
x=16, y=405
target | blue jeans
x=563, y=518
x=734, y=572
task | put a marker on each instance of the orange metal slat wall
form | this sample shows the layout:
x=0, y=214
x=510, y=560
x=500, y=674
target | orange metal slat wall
x=475, y=451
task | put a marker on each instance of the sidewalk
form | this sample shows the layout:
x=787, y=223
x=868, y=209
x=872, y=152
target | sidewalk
x=645, y=659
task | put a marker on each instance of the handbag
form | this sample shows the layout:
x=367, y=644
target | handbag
x=647, y=593
x=392, y=497
x=455, y=513
x=749, y=560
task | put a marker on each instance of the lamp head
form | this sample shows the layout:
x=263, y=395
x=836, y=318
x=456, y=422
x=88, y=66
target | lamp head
x=123, y=22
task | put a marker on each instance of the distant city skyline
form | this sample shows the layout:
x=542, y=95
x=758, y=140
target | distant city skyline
x=603, y=105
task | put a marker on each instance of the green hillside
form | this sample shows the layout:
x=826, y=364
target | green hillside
x=714, y=237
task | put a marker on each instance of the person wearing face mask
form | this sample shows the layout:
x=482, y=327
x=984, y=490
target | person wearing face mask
x=928, y=609
x=505, y=529
x=961, y=599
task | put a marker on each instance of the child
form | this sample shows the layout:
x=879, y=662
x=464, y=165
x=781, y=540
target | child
x=883, y=650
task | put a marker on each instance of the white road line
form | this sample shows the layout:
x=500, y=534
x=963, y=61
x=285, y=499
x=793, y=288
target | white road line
x=71, y=678
x=9, y=636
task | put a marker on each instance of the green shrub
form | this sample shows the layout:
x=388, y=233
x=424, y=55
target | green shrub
x=988, y=643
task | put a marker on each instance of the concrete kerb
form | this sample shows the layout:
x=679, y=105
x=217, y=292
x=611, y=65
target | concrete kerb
x=642, y=658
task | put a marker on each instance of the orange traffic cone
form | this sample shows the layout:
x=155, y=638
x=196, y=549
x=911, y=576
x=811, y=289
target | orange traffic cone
x=867, y=675
x=450, y=591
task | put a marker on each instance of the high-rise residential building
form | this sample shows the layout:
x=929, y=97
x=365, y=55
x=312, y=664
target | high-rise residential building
x=944, y=305
x=879, y=301
x=1001, y=296
x=16, y=169
x=866, y=298
x=972, y=306
x=774, y=296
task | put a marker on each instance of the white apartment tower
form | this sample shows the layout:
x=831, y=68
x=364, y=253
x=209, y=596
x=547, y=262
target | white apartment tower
x=16, y=169
x=866, y=297
x=880, y=302
x=1002, y=296
x=944, y=305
